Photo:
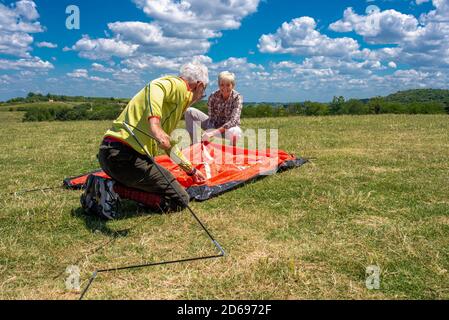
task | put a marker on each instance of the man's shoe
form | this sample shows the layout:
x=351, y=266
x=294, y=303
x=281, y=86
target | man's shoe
x=100, y=199
x=88, y=198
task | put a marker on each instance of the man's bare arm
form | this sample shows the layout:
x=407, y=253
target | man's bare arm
x=162, y=138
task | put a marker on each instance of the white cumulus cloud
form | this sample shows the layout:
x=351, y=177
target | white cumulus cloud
x=45, y=44
x=178, y=29
x=300, y=37
x=84, y=74
x=26, y=63
x=421, y=42
x=17, y=23
x=384, y=27
x=102, y=49
x=206, y=18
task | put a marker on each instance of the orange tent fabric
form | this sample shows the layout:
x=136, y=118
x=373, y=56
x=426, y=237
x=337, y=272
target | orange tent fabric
x=226, y=167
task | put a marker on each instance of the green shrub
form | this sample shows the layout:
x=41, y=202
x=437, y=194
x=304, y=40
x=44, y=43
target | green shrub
x=110, y=113
x=426, y=108
x=374, y=105
x=81, y=112
x=355, y=107
x=336, y=105
x=39, y=114
x=264, y=111
x=249, y=111
x=393, y=107
x=315, y=109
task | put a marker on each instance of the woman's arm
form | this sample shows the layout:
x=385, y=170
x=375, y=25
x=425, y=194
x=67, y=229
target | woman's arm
x=233, y=121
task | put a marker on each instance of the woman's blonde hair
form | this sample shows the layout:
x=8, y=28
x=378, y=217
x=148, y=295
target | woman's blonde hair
x=227, y=76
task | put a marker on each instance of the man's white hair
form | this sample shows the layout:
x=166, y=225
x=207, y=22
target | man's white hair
x=195, y=71
x=226, y=76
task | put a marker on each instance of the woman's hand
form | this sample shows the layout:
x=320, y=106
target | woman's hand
x=210, y=134
x=207, y=136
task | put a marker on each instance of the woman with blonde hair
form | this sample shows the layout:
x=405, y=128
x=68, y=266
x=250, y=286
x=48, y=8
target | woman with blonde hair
x=225, y=108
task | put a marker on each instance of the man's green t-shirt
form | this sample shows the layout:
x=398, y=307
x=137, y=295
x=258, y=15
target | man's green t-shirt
x=166, y=98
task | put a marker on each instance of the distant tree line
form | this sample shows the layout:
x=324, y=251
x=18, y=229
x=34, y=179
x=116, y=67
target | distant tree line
x=85, y=111
x=426, y=101
x=339, y=106
x=421, y=101
x=37, y=97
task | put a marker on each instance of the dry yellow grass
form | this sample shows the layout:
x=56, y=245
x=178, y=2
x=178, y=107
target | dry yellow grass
x=377, y=194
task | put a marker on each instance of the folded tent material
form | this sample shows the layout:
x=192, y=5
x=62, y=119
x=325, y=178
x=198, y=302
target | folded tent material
x=226, y=168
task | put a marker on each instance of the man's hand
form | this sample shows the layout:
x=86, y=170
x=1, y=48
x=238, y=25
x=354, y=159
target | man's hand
x=198, y=177
x=164, y=141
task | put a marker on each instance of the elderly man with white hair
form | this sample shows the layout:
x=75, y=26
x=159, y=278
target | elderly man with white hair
x=225, y=108
x=157, y=110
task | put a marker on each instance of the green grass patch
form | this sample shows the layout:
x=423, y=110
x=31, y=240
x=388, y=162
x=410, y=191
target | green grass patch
x=376, y=194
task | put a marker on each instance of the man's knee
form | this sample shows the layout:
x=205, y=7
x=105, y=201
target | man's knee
x=181, y=201
x=185, y=198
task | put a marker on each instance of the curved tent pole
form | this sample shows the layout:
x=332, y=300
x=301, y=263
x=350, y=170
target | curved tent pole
x=215, y=242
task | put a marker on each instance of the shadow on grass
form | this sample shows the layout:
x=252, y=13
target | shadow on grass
x=129, y=210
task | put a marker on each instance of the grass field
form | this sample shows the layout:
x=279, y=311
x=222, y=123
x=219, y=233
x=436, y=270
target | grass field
x=377, y=193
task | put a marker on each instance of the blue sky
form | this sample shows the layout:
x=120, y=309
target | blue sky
x=281, y=51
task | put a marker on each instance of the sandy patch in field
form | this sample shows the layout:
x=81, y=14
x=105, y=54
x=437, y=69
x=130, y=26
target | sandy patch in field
x=383, y=169
x=442, y=220
x=373, y=221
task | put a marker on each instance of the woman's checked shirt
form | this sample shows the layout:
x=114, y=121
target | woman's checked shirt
x=225, y=113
